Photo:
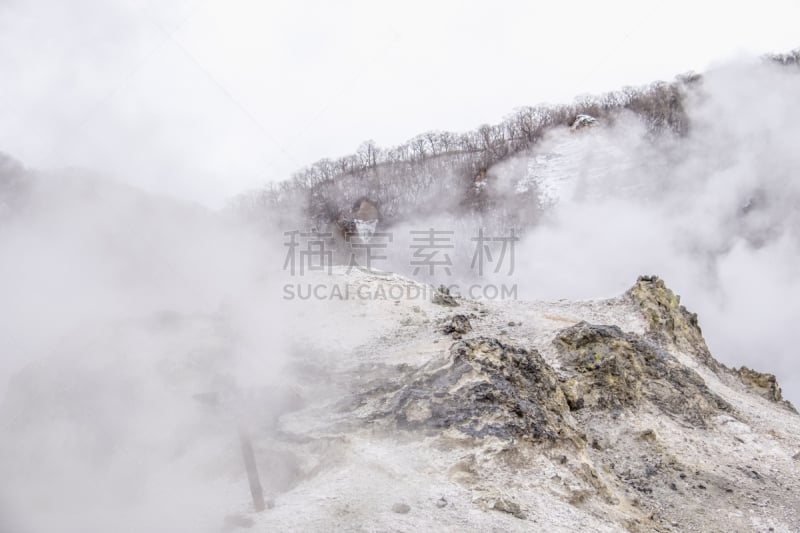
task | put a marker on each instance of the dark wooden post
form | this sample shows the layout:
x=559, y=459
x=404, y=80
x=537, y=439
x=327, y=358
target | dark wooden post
x=214, y=400
x=252, y=470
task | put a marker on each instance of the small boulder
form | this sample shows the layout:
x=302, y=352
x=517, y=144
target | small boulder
x=443, y=297
x=401, y=508
x=763, y=384
x=458, y=326
x=503, y=505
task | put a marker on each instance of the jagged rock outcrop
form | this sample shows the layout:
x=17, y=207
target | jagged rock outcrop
x=483, y=388
x=765, y=385
x=615, y=369
x=677, y=329
x=670, y=323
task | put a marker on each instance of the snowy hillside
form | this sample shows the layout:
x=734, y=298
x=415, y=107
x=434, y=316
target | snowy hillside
x=576, y=165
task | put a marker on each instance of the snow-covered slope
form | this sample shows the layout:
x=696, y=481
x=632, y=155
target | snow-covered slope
x=578, y=164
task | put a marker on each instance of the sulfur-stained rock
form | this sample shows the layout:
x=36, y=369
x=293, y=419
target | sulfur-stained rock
x=671, y=325
x=668, y=321
x=765, y=385
x=483, y=388
x=615, y=369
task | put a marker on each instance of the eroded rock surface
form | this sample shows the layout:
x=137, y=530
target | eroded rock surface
x=668, y=321
x=766, y=385
x=614, y=369
x=483, y=388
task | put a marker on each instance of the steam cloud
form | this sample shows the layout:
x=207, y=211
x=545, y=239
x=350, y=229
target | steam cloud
x=715, y=214
x=118, y=307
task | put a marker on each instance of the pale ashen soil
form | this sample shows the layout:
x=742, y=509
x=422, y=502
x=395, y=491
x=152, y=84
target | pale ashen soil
x=737, y=474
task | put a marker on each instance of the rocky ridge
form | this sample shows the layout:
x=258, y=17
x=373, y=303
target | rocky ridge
x=447, y=414
x=606, y=415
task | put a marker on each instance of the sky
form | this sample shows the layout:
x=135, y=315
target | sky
x=204, y=99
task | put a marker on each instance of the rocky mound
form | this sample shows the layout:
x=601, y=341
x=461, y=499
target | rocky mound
x=764, y=384
x=483, y=388
x=674, y=327
x=668, y=322
x=615, y=369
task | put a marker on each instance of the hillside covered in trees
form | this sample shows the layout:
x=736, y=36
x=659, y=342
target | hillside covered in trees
x=440, y=172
